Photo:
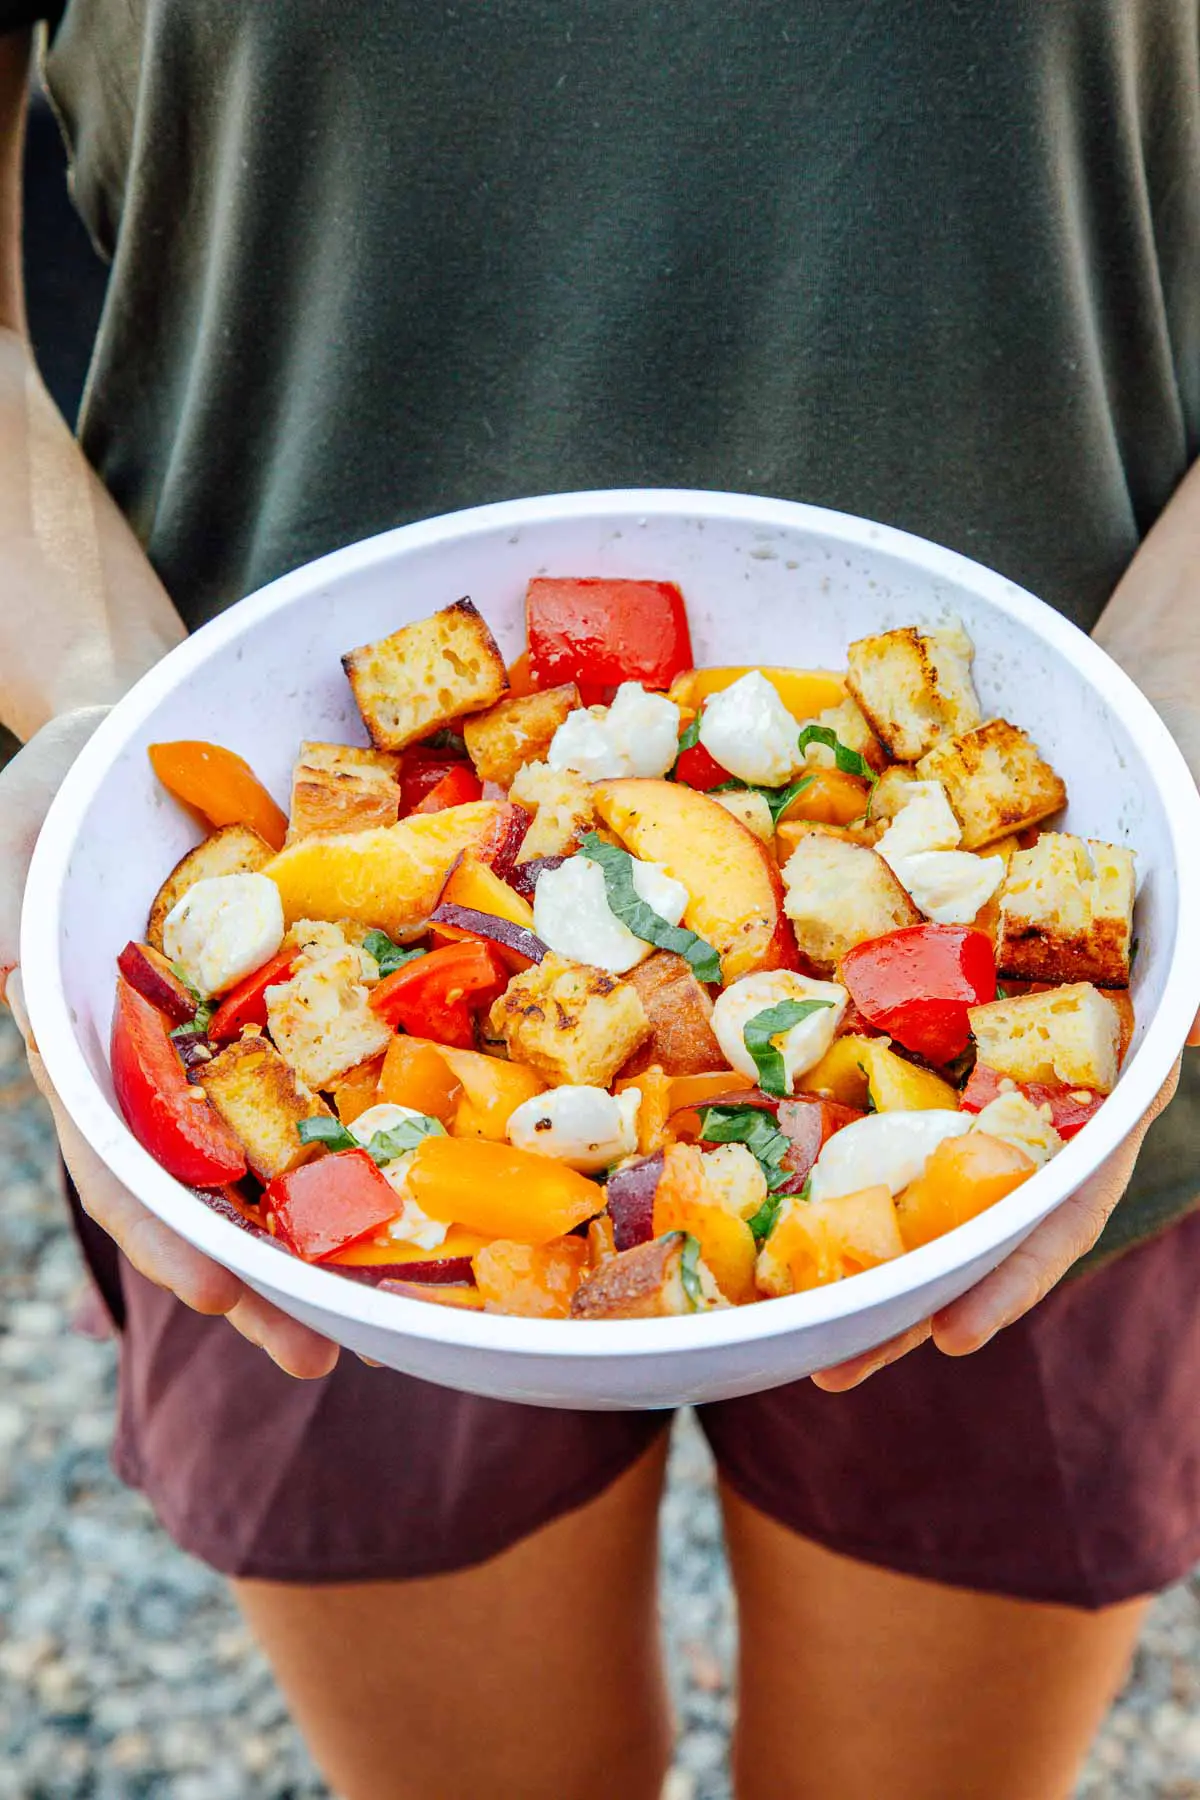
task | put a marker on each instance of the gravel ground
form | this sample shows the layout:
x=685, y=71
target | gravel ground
x=125, y=1672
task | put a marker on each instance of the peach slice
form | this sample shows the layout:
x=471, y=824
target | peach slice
x=736, y=894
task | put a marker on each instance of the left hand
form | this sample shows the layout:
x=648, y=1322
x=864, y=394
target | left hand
x=1025, y=1277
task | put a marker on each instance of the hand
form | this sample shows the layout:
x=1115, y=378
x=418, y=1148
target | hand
x=1027, y=1276
x=27, y=786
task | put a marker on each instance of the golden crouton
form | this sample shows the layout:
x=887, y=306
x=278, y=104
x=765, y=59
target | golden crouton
x=840, y=894
x=680, y=1014
x=561, y=804
x=426, y=675
x=889, y=796
x=1068, y=1034
x=646, y=1282
x=751, y=810
x=516, y=731
x=914, y=688
x=850, y=727
x=1066, y=912
x=319, y=1018
x=231, y=850
x=791, y=831
x=570, y=1022
x=336, y=787
x=260, y=1099
x=996, y=781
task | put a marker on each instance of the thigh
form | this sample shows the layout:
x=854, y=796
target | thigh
x=859, y=1682
x=535, y=1676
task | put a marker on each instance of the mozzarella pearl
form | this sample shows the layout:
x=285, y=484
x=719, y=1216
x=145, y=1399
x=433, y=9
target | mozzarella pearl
x=571, y=913
x=411, y=1225
x=637, y=735
x=585, y=1127
x=949, y=886
x=803, y=1045
x=223, y=929
x=887, y=1149
x=750, y=732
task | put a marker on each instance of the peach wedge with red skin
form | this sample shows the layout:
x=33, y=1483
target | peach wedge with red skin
x=736, y=895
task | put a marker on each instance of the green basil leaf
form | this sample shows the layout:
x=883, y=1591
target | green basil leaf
x=689, y=1272
x=330, y=1132
x=386, y=1146
x=779, y=799
x=759, y=1031
x=689, y=737
x=389, y=956
x=642, y=919
x=446, y=739
x=847, y=760
x=762, y=1222
x=754, y=1127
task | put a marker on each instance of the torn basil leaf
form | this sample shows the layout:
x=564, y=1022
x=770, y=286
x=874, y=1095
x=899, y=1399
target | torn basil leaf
x=628, y=906
x=752, y=1126
x=689, y=1272
x=762, y=1222
x=847, y=760
x=386, y=1146
x=330, y=1132
x=689, y=737
x=389, y=956
x=758, y=1033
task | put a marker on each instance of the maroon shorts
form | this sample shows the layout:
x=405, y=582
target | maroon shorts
x=1060, y=1463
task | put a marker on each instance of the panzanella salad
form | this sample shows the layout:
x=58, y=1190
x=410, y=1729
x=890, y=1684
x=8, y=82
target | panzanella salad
x=606, y=986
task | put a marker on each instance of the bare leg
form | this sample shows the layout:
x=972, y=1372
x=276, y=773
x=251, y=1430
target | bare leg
x=858, y=1683
x=537, y=1676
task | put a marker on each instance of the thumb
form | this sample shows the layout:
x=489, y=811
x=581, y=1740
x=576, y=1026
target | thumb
x=27, y=786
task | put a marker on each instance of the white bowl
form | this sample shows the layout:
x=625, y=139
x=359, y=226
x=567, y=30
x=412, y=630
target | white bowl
x=765, y=582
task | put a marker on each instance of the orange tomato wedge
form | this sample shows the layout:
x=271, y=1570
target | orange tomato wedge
x=963, y=1177
x=220, y=785
x=533, y=1281
x=500, y=1191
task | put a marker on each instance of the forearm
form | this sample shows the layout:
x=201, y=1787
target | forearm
x=1151, y=626
x=82, y=613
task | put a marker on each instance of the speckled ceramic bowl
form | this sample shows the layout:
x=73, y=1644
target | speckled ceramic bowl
x=766, y=582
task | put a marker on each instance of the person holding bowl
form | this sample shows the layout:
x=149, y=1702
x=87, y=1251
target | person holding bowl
x=935, y=266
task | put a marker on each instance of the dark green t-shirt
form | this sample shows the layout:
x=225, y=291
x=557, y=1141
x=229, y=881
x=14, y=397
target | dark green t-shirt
x=935, y=261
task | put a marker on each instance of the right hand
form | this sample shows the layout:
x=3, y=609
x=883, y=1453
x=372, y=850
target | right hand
x=27, y=787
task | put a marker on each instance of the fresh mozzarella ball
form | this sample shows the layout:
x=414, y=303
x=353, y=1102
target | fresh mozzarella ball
x=750, y=732
x=223, y=929
x=571, y=913
x=637, y=735
x=948, y=886
x=734, y=1178
x=883, y=1150
x=583, y=743
x=644, y=728
x=411, y=1225
x=1016, y=1120
x=925, y=821
x=804, y=1045
x=585, y=1127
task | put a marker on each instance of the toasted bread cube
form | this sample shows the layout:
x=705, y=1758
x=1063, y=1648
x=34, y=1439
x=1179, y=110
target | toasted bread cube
x=561, y=804
x=849, y=725
x=914, y=688
x=1069, y=1035
x=261, y=1100
x=426, y=675
x=680, y=1015
x=839, y=894
x=320, y=1018
x=231, y=850
x=516, y=731
x=646, y=1282
x=792, y=831
x=996, y=780
x=751, y=810
x=1066, y=912
x=336, y=787
x=570, y=1022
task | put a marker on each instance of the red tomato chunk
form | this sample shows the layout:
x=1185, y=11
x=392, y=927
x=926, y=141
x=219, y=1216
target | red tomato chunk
x=919, y=984
x=167, y=1115
x=324, y=1205
x=600, y=633
x=1070, y=1108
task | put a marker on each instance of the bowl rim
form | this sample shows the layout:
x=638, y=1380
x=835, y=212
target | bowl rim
x=262, y=1264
